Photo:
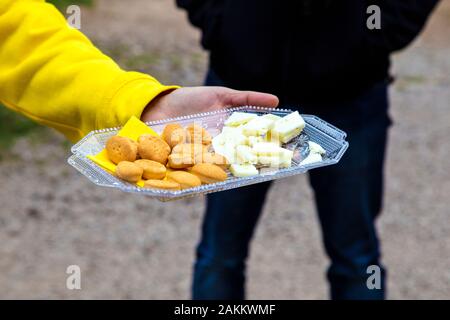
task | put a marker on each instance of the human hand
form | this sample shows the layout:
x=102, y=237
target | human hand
x=185, y=101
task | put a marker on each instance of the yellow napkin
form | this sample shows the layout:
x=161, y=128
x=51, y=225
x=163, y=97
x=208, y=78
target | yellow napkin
x=133, y=129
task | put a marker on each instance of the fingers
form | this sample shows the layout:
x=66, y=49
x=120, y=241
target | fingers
x=249, y=98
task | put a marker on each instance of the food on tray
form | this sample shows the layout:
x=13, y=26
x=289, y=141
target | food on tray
x=252, y=140
x=287, y=155
x=245, y=154
x=208, y=173
x=271, y=116
x=197, y=134
x=233, y=131
x=153, y=148
x=281, y=159
x=162, y=184
x=288, y=127
x=311, y=158
x=316, y=148
x=190, y=148
x=228, y=151
x=174, y=134
x=214, y=158
x=129, y=171
x=274, y=162
x=222, y=142
x=269, y=137
x=152, y=169
x=315, y=153
x=257, y=140
x=121, y=149
x=185, y=179
x=186, y=157
x=238, y=118
x=243, y=170
x=267, y=149
x=181, y=160
x=258, y=126
x=147, y=158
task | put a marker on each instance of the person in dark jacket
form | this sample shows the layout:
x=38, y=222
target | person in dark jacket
x=318, y=57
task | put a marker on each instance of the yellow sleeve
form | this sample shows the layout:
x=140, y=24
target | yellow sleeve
x=54, y=75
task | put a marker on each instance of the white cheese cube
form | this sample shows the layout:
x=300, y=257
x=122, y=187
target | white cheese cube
x=231, y=130
x=287, y=154
x=272, y=139
x=271, y=116
x=282, y=160
x=316, y=148
x=227, y=150
x=311, y=158
x=218, y=140
x=244, y=154
x=238, y=118
x=288, y=127
x=258, y=126
x=243, y=170
x=267, y=149
x=252, y=140
x=271, y=161
x=231, y=136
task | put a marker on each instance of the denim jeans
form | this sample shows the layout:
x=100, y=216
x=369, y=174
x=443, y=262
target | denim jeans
x=348, y=199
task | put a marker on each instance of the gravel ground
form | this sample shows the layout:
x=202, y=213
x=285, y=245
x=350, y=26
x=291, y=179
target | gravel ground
x=134, y=247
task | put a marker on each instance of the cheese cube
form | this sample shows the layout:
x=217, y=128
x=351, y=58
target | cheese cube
x=238, y=118
x=311, y=158
x=258, y=126
x=229, y=135
x=243, y=170
x=316, y=148
x=226, y=150
x=288, y=127
x=271, y=117
x=282, y=160
x=244, y=154
x=272, y=139
x=232, y=130
x=267, y=149
x=252, y=140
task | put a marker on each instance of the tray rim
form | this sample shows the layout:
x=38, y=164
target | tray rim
x=341, y=134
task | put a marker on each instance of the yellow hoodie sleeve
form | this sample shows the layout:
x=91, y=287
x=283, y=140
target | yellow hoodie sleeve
x=54, y=75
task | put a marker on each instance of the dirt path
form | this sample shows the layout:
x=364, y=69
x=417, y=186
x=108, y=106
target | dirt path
x=133, y=247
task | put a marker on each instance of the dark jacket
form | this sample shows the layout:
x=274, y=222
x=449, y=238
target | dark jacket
x=305, y=51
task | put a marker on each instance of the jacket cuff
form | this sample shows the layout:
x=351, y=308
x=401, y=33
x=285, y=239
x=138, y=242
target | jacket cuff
x=133, y=93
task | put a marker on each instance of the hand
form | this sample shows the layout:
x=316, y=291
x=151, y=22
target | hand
x=185, y=101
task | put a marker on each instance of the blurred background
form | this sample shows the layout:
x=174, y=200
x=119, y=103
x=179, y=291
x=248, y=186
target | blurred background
x=133, y=247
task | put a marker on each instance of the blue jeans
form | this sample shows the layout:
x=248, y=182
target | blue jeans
x=348, y=199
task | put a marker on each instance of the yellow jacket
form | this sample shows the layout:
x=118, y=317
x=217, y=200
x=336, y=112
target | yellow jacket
x=54, y=75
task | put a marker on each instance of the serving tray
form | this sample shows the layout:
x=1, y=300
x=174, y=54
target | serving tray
x=317, y=130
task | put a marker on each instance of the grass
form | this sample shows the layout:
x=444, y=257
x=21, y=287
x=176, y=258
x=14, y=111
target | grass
x=405, y=82
x=165, y=66
x=13, y=125
x=61, y=4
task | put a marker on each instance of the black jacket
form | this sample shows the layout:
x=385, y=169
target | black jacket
x=305, y=51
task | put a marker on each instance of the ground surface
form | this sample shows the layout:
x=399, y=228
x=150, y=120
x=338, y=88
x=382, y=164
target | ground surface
x=132, y=247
